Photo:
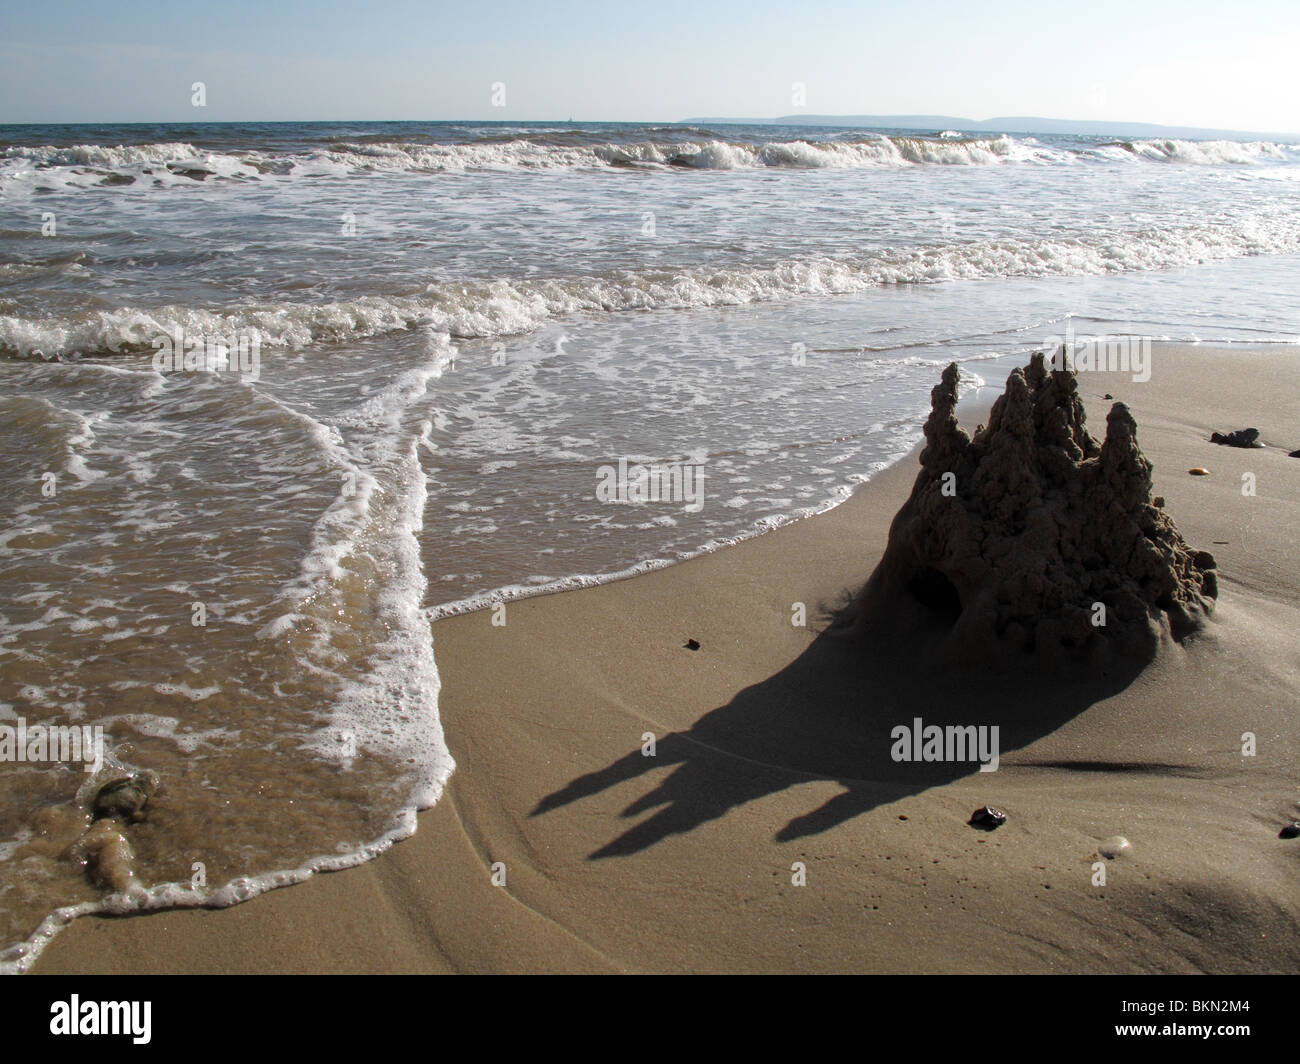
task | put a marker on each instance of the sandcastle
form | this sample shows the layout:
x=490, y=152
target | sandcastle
x=1033, y=536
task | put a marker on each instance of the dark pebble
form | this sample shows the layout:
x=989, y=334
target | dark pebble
x=691, y=644
x=986, y=818
x=1239, y=438
x=1291, y=831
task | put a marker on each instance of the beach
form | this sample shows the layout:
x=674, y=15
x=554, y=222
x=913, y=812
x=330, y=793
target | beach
x=282, y=398
x=624, y=803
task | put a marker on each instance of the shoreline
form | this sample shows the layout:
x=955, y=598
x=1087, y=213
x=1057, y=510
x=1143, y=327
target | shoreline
x=619, y=862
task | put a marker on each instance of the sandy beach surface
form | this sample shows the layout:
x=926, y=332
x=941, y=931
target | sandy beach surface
x=771, y=765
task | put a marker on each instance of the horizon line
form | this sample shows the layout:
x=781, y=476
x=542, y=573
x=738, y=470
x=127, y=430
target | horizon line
x=846, y=120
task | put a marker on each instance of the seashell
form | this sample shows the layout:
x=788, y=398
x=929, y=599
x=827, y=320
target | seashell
x=1115, y=846
x=124, y=798
x=1199, y=471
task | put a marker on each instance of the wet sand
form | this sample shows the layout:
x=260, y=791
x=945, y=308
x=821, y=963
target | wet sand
x=771, y=751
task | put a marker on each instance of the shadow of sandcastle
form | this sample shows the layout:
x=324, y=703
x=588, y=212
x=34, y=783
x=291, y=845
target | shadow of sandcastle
x=982, y=613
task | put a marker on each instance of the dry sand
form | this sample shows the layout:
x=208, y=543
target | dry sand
x=772, y=747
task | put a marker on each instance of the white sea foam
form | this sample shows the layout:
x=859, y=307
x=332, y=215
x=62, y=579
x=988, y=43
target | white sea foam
x=102, y=155
x=178, y=162
x=702, y=155
x=1206, y=152
x=337, y=533
x=481, y=309
x=393, y=708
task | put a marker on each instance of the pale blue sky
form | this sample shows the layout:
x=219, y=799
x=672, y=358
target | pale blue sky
x=1181, y=62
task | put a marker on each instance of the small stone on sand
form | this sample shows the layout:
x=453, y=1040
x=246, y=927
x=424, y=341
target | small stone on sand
x=1239, y=438
x=986, y=818
x=1114, y=846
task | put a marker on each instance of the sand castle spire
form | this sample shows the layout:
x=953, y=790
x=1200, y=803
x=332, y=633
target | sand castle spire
x=944, y=439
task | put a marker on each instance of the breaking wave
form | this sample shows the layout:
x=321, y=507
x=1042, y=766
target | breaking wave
x=484, y=309
x=90, y=165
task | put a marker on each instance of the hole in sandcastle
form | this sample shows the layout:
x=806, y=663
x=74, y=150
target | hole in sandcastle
x=935, y=591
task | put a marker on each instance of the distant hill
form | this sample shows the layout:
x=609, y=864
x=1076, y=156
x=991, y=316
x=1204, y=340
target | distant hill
x=935, y=123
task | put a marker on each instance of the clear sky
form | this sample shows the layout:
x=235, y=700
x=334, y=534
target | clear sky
x=1215, y=63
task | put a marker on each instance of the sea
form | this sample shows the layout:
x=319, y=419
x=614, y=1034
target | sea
x=276, y=397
